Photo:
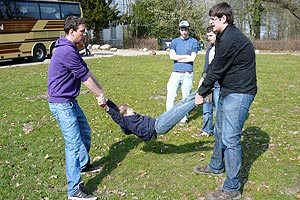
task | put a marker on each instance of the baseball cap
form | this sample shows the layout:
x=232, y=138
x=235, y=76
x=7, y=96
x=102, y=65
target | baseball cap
x=184, y=24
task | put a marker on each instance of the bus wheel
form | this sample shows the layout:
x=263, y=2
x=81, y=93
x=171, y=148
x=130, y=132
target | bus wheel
x=39, y=53
x=52, y=49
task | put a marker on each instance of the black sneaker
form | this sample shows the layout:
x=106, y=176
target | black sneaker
x=80, y=194
x=222, y=195
x=205, y=170
x=91, y=169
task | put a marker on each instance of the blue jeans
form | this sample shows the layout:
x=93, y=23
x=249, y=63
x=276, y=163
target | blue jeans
x=231, y=115
x=77, y=134
x=168, y=119
x=208, y=112
x=177, y=80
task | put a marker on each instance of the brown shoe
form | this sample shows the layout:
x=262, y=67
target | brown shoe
x=222, y=195
x=205, y=170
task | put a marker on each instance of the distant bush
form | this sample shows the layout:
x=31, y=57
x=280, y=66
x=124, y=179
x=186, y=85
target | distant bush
x=277, y=45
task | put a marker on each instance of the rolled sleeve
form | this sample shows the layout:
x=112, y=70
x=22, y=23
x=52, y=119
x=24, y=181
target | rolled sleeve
x=77, y=66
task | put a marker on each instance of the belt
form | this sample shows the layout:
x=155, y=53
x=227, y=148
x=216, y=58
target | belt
x=183, y=72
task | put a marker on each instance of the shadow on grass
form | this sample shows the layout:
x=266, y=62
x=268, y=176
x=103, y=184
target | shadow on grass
x=196, y=113
x=255, y=142
x=163, y=148
x=118, y=151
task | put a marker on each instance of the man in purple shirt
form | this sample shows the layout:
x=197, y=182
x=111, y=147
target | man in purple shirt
x=66, y=72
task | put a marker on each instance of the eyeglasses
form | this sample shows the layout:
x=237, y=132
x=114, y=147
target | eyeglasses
x=213, y=19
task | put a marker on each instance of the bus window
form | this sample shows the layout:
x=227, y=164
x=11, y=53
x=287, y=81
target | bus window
x=7, y=10
x=27, y=10
x=70, y=9
x=2, y=10
x=50, y=11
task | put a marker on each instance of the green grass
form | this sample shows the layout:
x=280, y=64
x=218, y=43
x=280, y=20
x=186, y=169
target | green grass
x=32, y=147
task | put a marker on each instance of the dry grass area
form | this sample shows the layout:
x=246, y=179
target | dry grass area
x=262, y=45
x=277, y=45
x=149, y=43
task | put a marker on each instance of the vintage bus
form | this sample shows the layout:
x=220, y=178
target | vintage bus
x=30, y=28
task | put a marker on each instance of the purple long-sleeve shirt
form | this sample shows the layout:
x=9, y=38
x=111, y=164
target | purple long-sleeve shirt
x=66, y=72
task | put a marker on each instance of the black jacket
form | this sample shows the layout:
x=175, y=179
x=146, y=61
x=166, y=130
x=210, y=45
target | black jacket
x=139, y=125
x=234, y=65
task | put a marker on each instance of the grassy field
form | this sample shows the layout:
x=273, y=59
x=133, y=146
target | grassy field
x=32, y=148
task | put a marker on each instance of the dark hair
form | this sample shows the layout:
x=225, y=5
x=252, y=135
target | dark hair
x=210, y=29
x=221, y=9
x=73, y=22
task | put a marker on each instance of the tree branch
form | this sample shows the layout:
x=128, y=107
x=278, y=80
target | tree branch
x=289, y=5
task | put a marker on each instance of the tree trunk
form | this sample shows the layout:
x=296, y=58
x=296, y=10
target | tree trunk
x=268, y=20
x=256, y=20
x=97, y=33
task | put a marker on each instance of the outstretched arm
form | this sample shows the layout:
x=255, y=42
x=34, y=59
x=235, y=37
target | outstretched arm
x=93, y=85
x=112, y=105
x=113, y=110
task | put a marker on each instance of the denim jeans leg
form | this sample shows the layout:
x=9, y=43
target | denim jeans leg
x=186, y=89
x=172, y=89
x=85, y=133
x=65, y=114
x=208, y=117
x=168, y=119
x=216, y=95
x=235, y=111
x=216, y=162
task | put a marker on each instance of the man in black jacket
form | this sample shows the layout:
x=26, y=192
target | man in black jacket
x=234, y=67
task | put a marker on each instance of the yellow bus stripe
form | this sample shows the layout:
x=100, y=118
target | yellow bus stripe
x=26, y=26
